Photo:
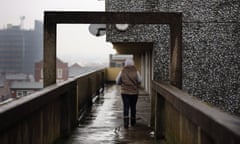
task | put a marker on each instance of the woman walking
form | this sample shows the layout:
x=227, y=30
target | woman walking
x=129, y=79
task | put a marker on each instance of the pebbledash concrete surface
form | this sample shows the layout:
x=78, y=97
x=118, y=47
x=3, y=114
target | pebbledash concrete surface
x=211, y=45
x=103, y=124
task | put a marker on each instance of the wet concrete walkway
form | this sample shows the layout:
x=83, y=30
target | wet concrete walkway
x=103, y=124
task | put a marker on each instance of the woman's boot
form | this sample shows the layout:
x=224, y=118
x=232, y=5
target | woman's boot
x=133, y=121
x=126, y=122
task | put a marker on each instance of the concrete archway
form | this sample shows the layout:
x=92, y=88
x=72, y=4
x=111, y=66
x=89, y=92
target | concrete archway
x=51, y=19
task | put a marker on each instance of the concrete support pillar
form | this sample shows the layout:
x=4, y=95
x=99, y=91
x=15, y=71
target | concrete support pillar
x=176, y=54
x=149, y=71
x=146, y=70
x=49, y=57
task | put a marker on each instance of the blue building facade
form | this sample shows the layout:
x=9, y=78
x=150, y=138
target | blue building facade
x=20, y=48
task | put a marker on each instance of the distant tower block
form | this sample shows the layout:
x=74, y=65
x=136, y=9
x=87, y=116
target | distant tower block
x=22, y=18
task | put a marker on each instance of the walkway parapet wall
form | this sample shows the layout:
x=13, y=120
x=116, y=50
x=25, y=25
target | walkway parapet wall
x=45, y=116
x=183, y=119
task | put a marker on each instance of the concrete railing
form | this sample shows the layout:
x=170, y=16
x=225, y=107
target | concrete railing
x=182, y=119
x=45, y=116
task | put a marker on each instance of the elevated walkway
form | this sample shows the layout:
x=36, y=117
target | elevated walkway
x=104, y=122
x=51, y=116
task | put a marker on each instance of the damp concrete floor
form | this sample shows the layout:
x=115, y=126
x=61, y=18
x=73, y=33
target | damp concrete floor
x=103, y=124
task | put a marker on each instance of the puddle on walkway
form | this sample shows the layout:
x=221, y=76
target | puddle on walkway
x=103, y=124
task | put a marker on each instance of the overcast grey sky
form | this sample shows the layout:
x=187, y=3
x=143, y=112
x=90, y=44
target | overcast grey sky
x=75, y=44
x=11, y=10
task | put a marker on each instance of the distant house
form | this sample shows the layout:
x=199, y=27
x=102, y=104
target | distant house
x=23, y=88
x=62, y=71
x=13, y=85
x=18, y=77
x=4, y=89
x=74, y=70
x=77, y=70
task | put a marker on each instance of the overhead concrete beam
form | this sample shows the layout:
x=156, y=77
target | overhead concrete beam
x=52, y=18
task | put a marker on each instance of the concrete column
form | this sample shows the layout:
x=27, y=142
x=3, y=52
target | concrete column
x=49, y=57
x=176, y=55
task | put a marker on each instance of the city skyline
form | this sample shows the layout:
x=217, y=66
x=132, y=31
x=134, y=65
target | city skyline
x=74, y=42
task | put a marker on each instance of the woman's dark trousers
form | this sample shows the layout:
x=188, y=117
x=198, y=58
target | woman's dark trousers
x=129, y=103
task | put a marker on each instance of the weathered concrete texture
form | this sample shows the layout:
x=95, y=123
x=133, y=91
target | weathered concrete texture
x=203, y=11
x=217, y=10
x=211, y=46
x=158, y=34
x=193, y=10
x=211, y=63
x=124, y=5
